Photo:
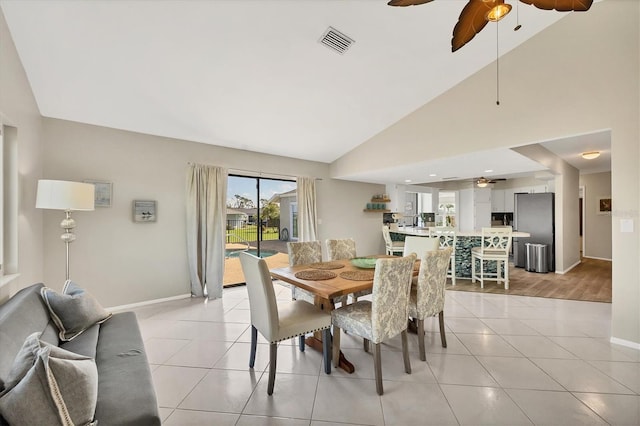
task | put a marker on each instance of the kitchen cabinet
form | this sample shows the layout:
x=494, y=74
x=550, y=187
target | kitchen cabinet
x=475, y=209
x=498, y=200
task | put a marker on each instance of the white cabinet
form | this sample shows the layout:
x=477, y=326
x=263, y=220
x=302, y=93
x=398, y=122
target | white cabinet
x=475, y=209
x=508, y=200
x=497, y=200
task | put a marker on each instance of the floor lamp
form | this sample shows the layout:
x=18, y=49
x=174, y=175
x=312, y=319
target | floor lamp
x=67, y=196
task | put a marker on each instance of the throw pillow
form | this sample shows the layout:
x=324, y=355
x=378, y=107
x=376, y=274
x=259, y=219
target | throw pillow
x=48, y=385
x=74, y=310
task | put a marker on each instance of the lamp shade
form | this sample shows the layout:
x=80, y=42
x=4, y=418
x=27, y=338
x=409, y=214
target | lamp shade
x=64, y=195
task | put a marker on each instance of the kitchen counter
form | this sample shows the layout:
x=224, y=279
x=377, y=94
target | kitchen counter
x=465, y=241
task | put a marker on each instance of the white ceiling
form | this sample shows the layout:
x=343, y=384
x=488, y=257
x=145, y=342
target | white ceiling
x=252, y=74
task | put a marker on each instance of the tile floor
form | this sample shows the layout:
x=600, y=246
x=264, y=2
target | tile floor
x=510, y=360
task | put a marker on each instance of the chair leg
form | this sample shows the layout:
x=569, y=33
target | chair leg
x=481, y=273
x=443, y=338
x=365, y=345
x=273, y=354
x=254, y=344
x=423, y=356
x=506, y=275
x=473, y=269
x=377, y=365
x=405, y=352
x=453, y=271
x=336, y=346
x=326, y=349
x=301, y=342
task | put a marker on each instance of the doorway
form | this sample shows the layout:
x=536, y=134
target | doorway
x=255, y=208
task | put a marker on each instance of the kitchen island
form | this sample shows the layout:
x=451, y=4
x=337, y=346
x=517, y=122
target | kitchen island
x=465, y=241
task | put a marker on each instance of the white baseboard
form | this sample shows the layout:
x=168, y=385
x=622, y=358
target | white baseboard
x=597, y=258
x=627, y=343
x=147, y=302
x=568, y=269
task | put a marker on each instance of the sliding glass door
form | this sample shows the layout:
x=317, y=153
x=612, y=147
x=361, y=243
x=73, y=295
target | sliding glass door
x=255, y=211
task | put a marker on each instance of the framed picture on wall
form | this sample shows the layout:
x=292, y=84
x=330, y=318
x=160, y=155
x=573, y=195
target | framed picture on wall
x=144, y=211
x=604, y=205
x=103, y=192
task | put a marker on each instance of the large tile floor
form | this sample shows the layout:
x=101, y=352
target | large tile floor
x=510, y=360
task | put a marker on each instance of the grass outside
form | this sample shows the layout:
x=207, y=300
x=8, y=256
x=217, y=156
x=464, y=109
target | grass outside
x=250, y=233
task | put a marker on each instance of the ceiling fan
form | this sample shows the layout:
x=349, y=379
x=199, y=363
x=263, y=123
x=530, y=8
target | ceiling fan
x=483, y=181
x=477, y=13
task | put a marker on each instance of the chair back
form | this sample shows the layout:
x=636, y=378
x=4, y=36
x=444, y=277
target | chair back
x=420, y=245
x=390, y=297
x=341, y=249
x=447, y=235
x=496, y=240
x=262, y=298
x=432, y=280
x=387, y=236
x=303, y=253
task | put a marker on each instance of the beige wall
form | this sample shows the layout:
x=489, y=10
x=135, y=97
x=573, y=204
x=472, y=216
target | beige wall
x=18, y=109
x=123, y=262
x=597, y=227
x=579, y=76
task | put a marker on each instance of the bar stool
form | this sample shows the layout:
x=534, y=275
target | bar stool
x=448, y=238
x=495, y=246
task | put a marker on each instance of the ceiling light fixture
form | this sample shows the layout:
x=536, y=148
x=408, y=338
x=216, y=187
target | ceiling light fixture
x=497, y=12
x=482, y=184
x=590, y=155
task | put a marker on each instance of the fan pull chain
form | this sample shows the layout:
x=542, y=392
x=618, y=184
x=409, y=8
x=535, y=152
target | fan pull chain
x=497, y=67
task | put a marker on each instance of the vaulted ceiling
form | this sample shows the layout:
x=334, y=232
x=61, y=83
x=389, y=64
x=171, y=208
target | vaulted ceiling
x=251, y=74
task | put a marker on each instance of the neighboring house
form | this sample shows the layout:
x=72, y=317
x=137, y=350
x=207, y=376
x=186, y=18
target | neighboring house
x=252, y=215
x=236, y=218
x=288, y=214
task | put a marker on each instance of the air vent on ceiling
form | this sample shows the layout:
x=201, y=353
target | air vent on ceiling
x=336, y=41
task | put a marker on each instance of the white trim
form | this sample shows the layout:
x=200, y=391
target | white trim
x=597, y=258
x=148, y=302
x=626, y=343
x=8, y=279
x=569, y=268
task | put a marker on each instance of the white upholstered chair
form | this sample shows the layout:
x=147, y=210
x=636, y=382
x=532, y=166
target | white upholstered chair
x=384, y=317
x=392, y=247
x=279, y=321
x=448, y=238
x=427, y=296
x=495, y=246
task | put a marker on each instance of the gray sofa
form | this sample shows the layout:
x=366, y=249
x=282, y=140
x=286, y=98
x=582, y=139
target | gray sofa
x=126, y=395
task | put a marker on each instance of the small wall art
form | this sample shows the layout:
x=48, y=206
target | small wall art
x=103, y=192
x=604, y=205
x=144, y=211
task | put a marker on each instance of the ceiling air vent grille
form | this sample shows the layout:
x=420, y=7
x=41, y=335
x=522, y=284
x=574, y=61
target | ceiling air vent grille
x=336, y=41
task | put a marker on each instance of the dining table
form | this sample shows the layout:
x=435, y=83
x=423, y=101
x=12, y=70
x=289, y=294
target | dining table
x=329, y=281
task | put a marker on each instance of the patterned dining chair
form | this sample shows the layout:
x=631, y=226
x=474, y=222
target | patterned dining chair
x=279, y=321
x=340, y=250
x=303, y=253
x=382, y=318
x=427, y=296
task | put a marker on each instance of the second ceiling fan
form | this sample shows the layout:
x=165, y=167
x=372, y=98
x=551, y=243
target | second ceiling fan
x=477, y=13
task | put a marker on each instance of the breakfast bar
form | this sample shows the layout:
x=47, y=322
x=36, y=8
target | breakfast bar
x=465, y=241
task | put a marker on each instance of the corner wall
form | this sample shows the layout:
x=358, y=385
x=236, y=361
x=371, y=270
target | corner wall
x=597, y=227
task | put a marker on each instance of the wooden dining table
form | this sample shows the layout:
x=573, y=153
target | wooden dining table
x=326, y=290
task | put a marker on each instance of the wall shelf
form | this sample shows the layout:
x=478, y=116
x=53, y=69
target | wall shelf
x=377, y=210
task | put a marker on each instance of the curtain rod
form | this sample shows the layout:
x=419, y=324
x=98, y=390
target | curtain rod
x=254, y=173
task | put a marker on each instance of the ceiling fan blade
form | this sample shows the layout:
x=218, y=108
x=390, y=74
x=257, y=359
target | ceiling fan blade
x=408, y=2
x=471, y=21
x=561, y=5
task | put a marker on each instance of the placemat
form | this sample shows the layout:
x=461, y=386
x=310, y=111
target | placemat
x=327, y=265
x=315, y=275
x=366, y=275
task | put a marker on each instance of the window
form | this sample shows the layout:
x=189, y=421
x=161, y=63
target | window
x=9, y=197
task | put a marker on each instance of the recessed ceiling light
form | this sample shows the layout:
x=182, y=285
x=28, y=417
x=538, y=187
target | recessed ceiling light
x=590, y=155
x=407, y=180
x=433, y=175
x=489, y=171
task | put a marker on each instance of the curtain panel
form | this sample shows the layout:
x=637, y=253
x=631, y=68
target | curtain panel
x=206, y=228
x=307, y=211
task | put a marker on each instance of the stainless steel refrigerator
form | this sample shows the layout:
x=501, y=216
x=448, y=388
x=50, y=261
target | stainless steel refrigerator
x=534, y=213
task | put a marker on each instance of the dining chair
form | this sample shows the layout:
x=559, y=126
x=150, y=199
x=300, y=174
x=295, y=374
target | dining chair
x=392, y=247
x=427, y=296
x=303, y=253
x=384, y=317
x=340, y=249
x=495, y=246
x=448, y=238
x=420, y=245
x=279, y=321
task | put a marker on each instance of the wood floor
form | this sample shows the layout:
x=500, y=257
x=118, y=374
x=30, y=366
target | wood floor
x=589, y=281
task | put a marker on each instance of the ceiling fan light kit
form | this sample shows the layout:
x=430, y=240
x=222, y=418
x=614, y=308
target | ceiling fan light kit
x=497, y=12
